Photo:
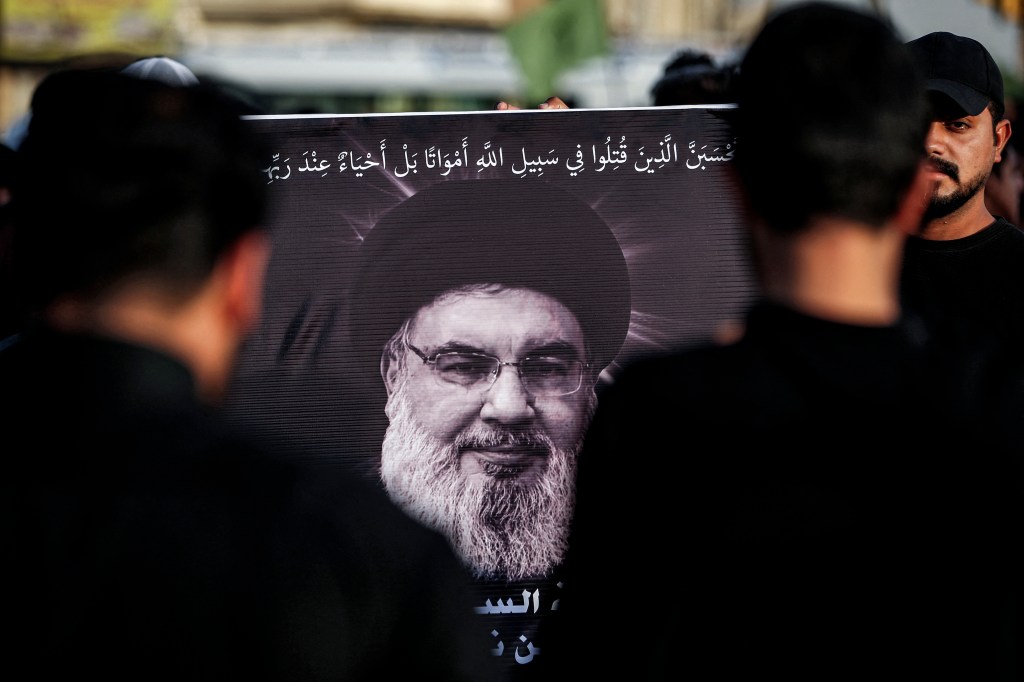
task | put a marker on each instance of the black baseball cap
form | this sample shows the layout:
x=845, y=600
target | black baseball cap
x=960, y=68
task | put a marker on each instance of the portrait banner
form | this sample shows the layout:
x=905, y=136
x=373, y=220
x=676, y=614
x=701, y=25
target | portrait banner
x=448, y=294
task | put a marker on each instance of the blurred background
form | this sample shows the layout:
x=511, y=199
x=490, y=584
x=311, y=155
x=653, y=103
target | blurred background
x=385, y=56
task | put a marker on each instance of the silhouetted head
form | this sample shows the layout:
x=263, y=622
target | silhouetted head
x=122, y=178
x=831, y=117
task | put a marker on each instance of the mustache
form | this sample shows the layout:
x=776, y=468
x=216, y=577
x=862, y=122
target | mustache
x=944, y=166
x=488, y=438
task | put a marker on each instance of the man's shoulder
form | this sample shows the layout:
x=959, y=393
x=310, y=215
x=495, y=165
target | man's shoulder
x=1007, y=232
x=652, y=395
x=999, y=236
x=1003, y=223
x=683, y=362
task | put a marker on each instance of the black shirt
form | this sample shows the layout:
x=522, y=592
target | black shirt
x=973, y=285
x=144, y=540
x=818, y=501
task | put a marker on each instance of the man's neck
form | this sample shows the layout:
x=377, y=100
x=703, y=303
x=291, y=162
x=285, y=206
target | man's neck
x=190, y=331
x=970, y=218
x=836, y=269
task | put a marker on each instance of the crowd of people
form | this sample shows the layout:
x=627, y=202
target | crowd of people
x=846, y=503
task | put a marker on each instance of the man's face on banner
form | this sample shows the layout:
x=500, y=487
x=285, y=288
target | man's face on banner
x=486, y=452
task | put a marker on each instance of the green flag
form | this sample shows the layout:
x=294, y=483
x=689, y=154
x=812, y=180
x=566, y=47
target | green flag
x=556, y=37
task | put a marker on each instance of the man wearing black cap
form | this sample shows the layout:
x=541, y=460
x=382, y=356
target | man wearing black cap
x=962, y=269
x=488, y=310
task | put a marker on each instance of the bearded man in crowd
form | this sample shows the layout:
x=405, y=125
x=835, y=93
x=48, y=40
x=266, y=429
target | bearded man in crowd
x=490, y=320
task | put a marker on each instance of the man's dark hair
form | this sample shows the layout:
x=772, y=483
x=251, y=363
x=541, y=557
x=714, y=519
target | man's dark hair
x=831, y=117
x=693, y=77
x=123, y=178
x=998, y=112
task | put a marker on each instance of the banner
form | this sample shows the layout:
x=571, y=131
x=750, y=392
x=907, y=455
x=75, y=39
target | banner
x=449, y=293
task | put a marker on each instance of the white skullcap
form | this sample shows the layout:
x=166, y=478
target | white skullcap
x=162, y=69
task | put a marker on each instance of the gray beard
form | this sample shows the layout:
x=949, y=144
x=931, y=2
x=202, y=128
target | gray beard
x=501, y=526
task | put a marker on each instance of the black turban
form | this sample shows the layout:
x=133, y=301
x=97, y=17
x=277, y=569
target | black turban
x=518, y=233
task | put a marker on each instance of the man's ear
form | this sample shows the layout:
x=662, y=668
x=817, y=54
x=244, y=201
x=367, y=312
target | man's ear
x=390, y=369
x=1003, y=132
x=244, y=267
x=915, y=201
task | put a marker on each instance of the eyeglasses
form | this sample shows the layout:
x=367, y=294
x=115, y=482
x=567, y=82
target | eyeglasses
x=542, y=376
